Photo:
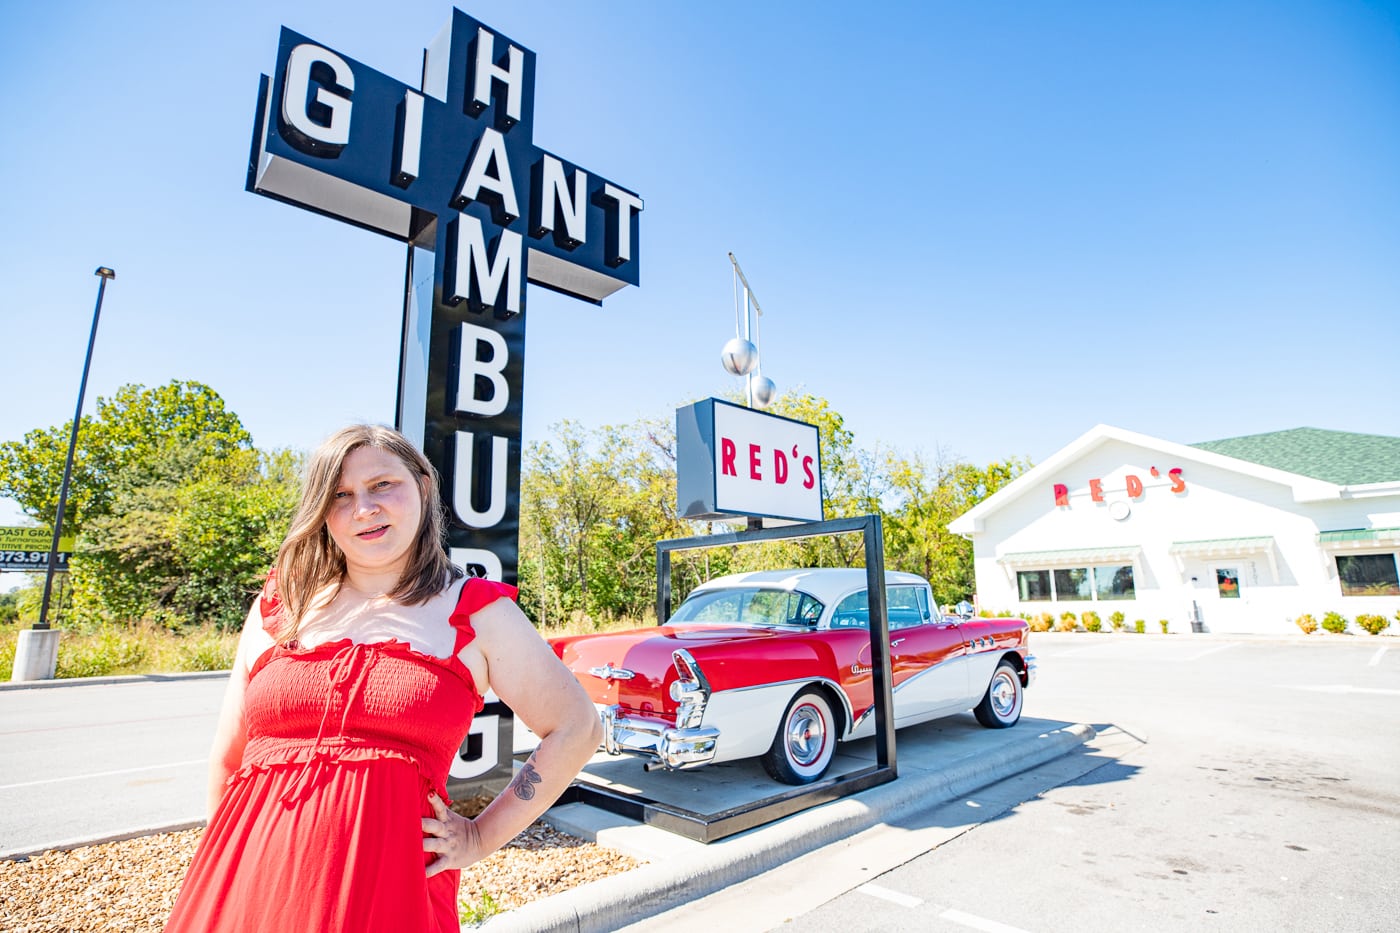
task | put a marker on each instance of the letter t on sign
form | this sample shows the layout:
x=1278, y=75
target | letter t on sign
x=451, y=169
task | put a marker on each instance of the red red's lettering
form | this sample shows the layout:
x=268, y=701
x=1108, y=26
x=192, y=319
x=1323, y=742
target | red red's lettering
x=1061, y=494
x=780, y=467
x=1096, y=490
x=726, y=457
x=1134, y=486
x=811, y=479
x=1178, y=484
x=755, y=453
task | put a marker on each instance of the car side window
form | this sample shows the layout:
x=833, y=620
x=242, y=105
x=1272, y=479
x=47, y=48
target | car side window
x=852, y=612
x=905, y=609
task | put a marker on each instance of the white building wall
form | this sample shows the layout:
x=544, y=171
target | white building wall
x=1217, y=503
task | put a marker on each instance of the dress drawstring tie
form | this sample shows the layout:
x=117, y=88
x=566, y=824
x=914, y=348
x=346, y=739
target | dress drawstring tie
x=345, y=676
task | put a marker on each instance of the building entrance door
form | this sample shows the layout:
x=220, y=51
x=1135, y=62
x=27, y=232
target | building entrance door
x=1225, y=602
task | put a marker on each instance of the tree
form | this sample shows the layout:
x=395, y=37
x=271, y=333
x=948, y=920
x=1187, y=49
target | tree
x=189, y=538
x=177, y=517
x=925, y=499
x=128, y=432
x=593, y=506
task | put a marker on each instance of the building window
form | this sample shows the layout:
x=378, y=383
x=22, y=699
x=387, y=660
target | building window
x=1114, y=582
x=1227, y=582
x=1073, y=583
x=1368, y=575
x=1034, y=585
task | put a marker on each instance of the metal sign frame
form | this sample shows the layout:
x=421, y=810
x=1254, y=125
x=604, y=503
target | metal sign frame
x=710, y=827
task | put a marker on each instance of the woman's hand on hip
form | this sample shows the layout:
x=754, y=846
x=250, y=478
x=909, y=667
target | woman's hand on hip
x=451, y=837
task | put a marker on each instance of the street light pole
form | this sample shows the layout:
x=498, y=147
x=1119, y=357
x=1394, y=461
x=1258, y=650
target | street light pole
x=104, y=274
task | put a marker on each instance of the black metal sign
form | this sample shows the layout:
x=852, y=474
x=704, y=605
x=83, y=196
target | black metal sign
x=451, y=168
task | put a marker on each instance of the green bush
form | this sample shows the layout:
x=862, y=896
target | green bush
x=207, y=652
x=1165, y=625
x=1140, y=626
x=1092, y=622
x=1116, y=620
x=1334, y=622
x=108, y=652
x=1068, y=622
x=1307, y=623
x=9, y=637
x=1373, y=624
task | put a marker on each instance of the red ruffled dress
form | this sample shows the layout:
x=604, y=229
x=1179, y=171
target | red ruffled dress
x=321, y=827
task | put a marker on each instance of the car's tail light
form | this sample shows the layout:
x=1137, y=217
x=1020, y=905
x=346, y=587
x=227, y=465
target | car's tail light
x=690, y=690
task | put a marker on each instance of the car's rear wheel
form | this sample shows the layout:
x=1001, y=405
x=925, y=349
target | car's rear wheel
x=1001, y=704
x=806, y=739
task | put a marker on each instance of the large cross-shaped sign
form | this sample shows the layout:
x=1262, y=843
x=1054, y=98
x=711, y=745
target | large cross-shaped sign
x=451, y=169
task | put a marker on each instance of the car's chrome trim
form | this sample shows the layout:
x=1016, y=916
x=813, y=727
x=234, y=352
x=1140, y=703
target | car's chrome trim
x=803, y=681
x=608, y=672
x=656, y=741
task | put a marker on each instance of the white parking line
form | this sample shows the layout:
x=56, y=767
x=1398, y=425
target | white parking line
x=1376, y=658
x=102, y=774
x=1225, y=647
x=1342, y=688
x=977, y=923
x=891, y=895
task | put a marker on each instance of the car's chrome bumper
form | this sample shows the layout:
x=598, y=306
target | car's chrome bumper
x=662, y=745
x=1030, y=669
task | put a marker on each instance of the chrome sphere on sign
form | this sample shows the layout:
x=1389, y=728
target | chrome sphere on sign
x=764, y=391
x=739, y=356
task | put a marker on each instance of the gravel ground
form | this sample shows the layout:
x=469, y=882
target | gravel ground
x=132, y=885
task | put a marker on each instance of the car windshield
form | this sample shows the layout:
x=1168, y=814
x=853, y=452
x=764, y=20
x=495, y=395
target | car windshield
x=750, y=606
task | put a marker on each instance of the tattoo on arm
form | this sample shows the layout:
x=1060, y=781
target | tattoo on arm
x=523, y=784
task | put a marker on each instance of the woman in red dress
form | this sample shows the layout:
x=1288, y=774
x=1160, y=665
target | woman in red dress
x=357, y=676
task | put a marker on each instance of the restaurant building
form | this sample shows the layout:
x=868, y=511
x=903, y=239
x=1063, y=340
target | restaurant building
x=1241, y=535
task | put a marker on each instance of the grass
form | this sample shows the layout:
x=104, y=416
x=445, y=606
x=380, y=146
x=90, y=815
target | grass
x=478, y=912
x=150, y=649
x=136, y=649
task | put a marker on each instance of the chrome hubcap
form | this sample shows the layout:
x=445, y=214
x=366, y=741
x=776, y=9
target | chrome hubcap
x=1003, y=695
x=806, y=736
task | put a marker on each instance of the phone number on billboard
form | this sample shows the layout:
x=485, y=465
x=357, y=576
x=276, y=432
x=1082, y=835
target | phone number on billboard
x=30, y=557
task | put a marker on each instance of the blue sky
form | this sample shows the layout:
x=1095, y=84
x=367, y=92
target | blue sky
x=980, y=227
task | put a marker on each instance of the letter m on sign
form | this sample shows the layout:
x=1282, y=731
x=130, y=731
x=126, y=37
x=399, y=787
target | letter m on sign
x=450, y=168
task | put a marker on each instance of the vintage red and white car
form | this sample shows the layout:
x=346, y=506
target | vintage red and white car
x=777, y=665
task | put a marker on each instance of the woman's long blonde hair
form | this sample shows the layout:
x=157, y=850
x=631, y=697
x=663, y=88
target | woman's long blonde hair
x=309, y=561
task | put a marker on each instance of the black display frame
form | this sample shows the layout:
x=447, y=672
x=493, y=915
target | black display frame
x=710, y=827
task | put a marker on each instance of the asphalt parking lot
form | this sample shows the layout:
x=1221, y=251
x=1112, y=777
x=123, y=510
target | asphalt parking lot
x=1240, y=783
x=1246, y=784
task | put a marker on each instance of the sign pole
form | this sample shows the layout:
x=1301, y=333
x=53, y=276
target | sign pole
x=104, y=274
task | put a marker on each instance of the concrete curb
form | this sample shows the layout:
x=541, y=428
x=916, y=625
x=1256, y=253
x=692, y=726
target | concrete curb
x=118, y=679
x=65, y=845
x=614, y=902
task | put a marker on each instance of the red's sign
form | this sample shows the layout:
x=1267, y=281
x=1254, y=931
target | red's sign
x=1133, y=486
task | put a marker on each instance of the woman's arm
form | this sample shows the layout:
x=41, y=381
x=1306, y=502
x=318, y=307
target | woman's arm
x=524, y=672
x=232, y=734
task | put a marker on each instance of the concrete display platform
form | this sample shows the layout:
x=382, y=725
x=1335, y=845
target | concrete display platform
x=937, y=762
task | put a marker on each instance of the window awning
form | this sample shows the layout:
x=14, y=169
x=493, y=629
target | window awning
x=1212, y=548
x=1073, y=557
x=1222, y=547
x=1359, y=538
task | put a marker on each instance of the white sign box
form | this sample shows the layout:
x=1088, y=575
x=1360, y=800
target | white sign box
x=733, y=462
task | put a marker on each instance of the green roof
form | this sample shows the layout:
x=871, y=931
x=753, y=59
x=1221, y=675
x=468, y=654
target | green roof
x=1334, y=456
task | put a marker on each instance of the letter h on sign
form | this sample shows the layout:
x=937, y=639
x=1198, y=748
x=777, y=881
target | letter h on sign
x=451, y=169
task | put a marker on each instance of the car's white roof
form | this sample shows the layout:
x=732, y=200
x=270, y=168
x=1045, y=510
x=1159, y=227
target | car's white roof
x=825, y=583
